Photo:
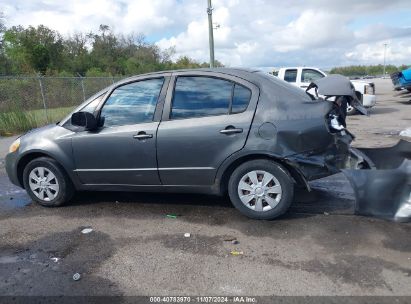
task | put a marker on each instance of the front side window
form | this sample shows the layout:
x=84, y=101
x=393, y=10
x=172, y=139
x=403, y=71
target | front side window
x=290, y=75
x=132, y=103
x=311, y=75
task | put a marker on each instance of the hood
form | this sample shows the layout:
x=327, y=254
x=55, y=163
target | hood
x=337, y=85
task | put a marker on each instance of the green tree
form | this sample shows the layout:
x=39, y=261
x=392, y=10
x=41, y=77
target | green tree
x=5, y=64
x=76, y=55
x=105, y=53
x=33, y=49
x=363, y=70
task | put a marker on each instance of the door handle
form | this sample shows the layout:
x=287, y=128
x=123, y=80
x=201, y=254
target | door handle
x=231, y=130
x=142, y=135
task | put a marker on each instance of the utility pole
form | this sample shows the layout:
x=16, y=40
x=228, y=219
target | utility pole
x=385, y=51
x=210, y=32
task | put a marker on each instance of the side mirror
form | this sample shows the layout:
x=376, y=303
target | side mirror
x=84, y=119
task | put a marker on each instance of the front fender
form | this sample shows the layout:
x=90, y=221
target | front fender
x=52, y=141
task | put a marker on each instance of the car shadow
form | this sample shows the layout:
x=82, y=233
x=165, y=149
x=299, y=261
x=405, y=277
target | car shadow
x=305, y=203
x=377, y=111
x=91, y=197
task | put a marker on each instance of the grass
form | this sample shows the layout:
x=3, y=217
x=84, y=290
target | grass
x=16, y=121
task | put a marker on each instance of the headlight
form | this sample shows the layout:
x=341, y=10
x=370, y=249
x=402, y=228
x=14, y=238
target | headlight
x=14, y=146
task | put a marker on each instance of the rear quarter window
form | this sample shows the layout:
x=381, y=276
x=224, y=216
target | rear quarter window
x=241, y=99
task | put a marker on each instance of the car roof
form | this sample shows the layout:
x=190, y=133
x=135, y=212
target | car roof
x=300, y=67
x=240, y=72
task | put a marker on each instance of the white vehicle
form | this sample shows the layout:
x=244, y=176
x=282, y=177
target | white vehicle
x=303, y=76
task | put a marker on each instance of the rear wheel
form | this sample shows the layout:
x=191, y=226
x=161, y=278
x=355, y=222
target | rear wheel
x=261, y=189
x=46, y=182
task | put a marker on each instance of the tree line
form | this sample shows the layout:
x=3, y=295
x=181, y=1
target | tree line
x=41, y=50
x=364, y=70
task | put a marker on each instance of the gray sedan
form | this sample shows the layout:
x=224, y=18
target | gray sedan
x=218, y=131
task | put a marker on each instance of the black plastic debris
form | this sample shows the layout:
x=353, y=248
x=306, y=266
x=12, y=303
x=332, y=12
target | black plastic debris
x=384, y=190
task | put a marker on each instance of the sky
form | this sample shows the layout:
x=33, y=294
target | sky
x=257, y=33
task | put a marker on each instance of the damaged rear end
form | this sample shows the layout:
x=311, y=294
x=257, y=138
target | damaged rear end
x=380, y=178
x=383, y=190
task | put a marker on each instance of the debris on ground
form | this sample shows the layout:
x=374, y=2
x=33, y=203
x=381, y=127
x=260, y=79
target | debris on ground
x=76, y=276
x=86, y=230
x=173, y=216
x=236, y=253
x=326, y=213
x=406, y=132
x=234, y=242
x=55, y=259
x=387, y=133
x=230, y=239
x=187, y=235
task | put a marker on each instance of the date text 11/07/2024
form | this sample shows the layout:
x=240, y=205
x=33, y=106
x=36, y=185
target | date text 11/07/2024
x=203, y=299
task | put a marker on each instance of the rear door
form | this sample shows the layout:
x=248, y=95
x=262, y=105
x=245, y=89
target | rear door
x=206, y=118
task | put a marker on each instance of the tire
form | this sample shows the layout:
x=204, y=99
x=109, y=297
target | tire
x=273, y=204
x=351, y=110
x=57, y=187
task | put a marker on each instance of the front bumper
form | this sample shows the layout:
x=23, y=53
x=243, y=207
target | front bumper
x=11, y=168
x=369, y=101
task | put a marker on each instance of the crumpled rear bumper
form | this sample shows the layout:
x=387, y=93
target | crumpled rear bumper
x=384, y=190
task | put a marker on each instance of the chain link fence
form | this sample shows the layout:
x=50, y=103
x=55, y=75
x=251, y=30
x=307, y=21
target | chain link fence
x=28, y=102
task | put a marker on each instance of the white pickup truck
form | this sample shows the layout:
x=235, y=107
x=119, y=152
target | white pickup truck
x=303, y=76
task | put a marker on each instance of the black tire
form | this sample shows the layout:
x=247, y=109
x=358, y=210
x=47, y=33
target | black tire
x=66, y=189
x=279, y=172
x=351, y=111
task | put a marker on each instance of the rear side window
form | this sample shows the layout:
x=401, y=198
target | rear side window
x=132, y=103
x=200, y=96
x=241, y=99
x=196, y=96
x=290, y=75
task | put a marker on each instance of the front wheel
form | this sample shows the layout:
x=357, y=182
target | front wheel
x=46, y=182
x=261, y=189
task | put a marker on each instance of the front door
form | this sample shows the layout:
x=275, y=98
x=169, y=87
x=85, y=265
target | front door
x=205, y=121
x=123, y=152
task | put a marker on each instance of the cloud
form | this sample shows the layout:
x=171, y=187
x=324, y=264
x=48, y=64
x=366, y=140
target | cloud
x=251, y=33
